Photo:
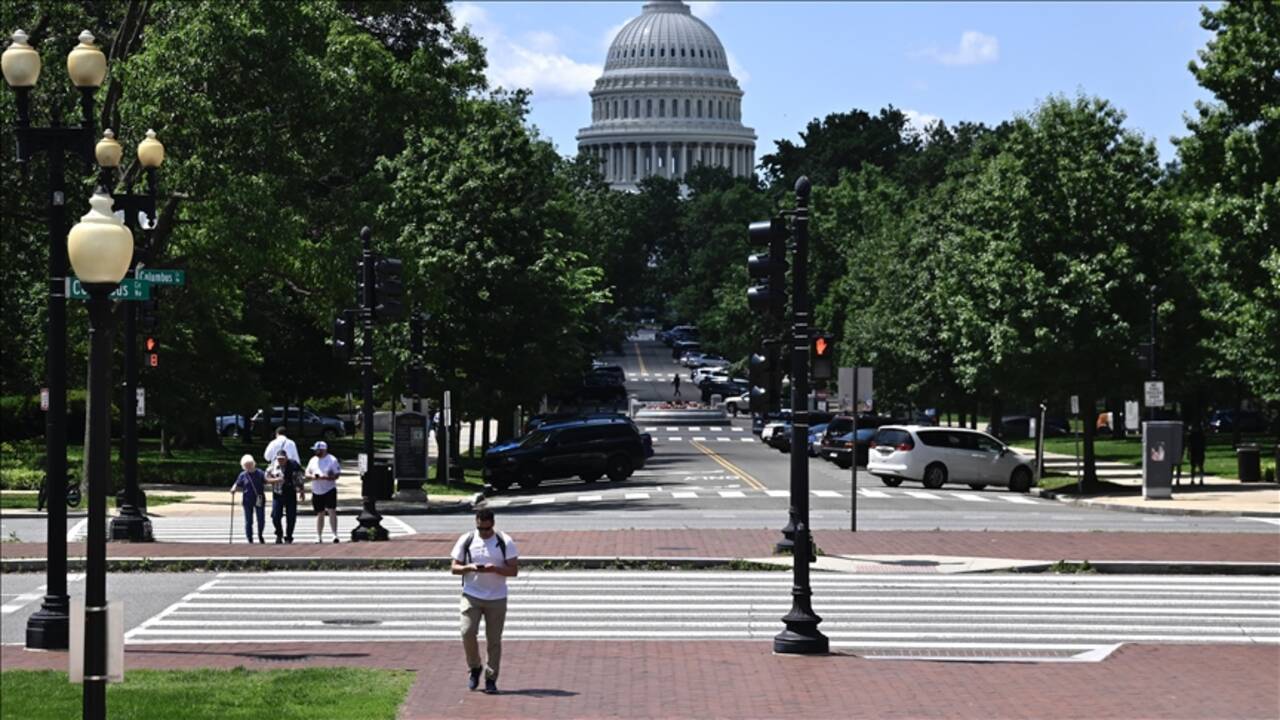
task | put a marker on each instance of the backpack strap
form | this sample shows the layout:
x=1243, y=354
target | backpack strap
x=502, y=545
x=466, y=548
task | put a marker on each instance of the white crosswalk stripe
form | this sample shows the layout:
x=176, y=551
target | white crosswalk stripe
x=207, y=529
x=969, y=497
x=733, y=491
x=1005, y=616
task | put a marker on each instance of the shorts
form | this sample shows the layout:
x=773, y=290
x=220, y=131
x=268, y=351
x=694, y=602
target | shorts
x=325, y=501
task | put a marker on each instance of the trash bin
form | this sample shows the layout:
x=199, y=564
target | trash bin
x=1249, y=463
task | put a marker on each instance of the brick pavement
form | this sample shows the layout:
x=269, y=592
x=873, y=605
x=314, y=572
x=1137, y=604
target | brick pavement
x=590, y=679
x=1032, y=546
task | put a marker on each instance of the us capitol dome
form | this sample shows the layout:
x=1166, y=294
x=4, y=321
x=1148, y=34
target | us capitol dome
x=666, y=102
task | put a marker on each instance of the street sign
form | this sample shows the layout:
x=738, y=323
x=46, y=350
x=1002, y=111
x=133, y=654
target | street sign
x=142, y=402
x=1075, y=404
x=362, y=462
x=130, y=289
x=1154, y=393
x=845, y=385
x=157, y=276
x=44, y=399
x=1132, y=415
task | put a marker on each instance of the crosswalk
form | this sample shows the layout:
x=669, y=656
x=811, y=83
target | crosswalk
x=206, y=529
x=653, y=377
x=695, y=492
x=971, y=616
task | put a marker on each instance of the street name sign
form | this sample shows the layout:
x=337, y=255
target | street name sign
x=142, y=402
x=130, y=289
x=157, y=276
x=1154, y=392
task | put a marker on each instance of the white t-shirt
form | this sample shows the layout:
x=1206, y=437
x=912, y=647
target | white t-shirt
x=323, y=466
x=486, y=585
x=281, y=443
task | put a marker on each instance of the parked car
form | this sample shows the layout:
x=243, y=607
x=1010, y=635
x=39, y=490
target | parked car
x=1227, y=420
x=838, y=449
x=936, y=456
x=832, y=442
x=588, y=449
x=709, y=362
x=538, y=421
x=723, y=388
x=229, y=425
x=738, y=403
x=680, y=348
x=303, y=423
x=781, y=438
x=1019, y=426
x=703, y=373
x=760, y=422
x=691, y=359
x=608, y=370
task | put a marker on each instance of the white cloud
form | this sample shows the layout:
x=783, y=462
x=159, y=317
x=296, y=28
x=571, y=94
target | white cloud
x=736, y=69
x=975, y=49
x=705, y=9
x=920, y=121
x=533, y=61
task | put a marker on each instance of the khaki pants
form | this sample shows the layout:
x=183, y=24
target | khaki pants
x=495, y=616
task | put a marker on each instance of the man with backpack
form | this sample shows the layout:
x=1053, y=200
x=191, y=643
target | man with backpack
x=485, y=558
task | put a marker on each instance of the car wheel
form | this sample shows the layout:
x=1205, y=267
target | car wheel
x=731, y=408
x=529, y=480
x=935, y=476
x=891, y=482
x=842, y=464
x=619, y=468
x=977, y=486
x=1020, y=481
x=500, y=482
x=590, y=477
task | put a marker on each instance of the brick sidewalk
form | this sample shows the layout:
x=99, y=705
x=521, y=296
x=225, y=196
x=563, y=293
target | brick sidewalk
x=1031, y=546
x=589, y=679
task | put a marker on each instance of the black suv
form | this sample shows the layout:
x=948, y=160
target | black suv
x=588, y=449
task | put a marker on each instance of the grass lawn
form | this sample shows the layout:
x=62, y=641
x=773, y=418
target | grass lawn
x=239, y=694
x=1219, y=456
x=23, y=500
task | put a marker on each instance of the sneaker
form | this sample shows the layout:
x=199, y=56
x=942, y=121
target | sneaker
x=473, y=679
x=490, y=686
x=335, y=538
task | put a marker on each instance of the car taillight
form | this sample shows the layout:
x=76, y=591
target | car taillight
x=905, y=446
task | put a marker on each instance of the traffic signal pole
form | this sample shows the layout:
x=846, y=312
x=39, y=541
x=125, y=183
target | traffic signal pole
x=370, y=520
x=801, y=635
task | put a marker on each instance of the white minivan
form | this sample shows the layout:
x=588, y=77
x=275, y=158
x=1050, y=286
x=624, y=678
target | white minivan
x=935, y=456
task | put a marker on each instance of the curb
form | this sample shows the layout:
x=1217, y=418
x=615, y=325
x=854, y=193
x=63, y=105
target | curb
x=34, y=515
x=258, y=564
x=1153, y=510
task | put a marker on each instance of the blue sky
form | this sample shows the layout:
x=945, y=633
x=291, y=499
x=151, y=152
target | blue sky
x=800, y=60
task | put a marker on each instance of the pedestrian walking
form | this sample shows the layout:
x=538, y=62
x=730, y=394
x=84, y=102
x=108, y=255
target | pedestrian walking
x=1195, y=453
x=285, y=479
x=485, y=558
x=281, y=442
x=323, y=470
x=252, y=483
x=675, y=383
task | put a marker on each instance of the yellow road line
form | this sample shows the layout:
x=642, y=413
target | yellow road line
x=639, y=357
x=743, y=475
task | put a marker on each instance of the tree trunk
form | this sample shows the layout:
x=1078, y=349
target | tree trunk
x=964, y=417
x=506, y=428
x=484, y=447
x=1089, y=470
x=471, y=438
x=1235, y=424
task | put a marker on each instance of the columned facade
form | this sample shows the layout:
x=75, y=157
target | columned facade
x=666, y=102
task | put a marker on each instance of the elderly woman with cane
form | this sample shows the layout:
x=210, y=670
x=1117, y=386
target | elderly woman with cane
x=252, y=482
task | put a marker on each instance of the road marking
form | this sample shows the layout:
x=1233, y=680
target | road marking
x=699, y=439
x=497, y=503
x=637, y=496
x=872, y=493
x=731, y=494
x=673, y=429
x=541, y=500
x=724, y=439
x=922, y=495
x=25, y=599
x=827, y=494
x=1020, y=500
x=747, y=439
x=674, y=438
x=1273, y=521
x=590, y=498
x=734, y=469
x=969, y=498
x=684, y=495
x=76, y=529
x=639, y=357
x=736, y=429
x=778, y=493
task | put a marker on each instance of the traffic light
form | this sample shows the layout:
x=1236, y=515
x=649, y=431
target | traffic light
x=149, y=314
x=152, y=357
x=417, y=380
x=388, y=289
x=821, y=354
x=344, y=335
x=768, y=270
x=765, y=380
x=1144, y=357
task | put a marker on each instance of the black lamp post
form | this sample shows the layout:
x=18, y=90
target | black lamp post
x=370, y=519
x=47, y=628
x=100, y=248
x=131, y=523
x=802, y=636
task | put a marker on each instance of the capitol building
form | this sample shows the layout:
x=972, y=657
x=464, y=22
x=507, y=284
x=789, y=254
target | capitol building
x=666, y=102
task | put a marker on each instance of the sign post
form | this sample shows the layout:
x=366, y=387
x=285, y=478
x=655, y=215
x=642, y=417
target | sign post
x=1075, y=410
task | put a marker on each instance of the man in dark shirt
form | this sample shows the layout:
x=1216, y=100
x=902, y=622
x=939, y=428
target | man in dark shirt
x=286, y=490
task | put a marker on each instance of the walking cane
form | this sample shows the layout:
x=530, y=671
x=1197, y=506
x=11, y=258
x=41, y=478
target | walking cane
x=231, y=528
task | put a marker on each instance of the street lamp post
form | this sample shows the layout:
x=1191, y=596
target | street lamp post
x=370, y=519
x=802, y=636
x=131, y=523
x=47, y=628
x=100, y=248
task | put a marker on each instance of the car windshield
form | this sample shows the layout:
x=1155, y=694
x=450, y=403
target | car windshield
x=534, y=439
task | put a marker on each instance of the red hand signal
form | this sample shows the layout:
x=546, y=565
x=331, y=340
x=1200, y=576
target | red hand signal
x=821, y=346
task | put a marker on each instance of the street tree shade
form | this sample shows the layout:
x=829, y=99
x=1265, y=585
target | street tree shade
x=100, y=249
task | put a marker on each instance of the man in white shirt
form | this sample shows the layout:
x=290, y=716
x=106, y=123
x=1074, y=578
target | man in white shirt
x=323, y=470
x=485, y=559
x=281, y=442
